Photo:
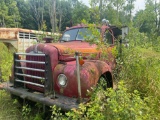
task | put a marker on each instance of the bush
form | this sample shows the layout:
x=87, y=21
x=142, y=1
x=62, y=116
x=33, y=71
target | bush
x=139, y=68
x=111, y=105
x=6, y=59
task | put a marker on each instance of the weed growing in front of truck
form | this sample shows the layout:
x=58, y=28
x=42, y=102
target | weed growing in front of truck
x=31, y=113
x=26, y=110
x=9, y=108
x=56, y=113
x=111, y=104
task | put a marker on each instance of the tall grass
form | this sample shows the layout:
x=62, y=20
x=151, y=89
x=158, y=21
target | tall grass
x=9, y=108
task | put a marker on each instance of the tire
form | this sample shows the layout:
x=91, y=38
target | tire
x=105, y=81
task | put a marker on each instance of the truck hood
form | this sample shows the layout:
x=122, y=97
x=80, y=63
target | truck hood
x=72, y=47
x=67, y=49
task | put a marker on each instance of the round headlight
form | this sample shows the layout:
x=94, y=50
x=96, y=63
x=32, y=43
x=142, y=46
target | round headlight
x=62, y=80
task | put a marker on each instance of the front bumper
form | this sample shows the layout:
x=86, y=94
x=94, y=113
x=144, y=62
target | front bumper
x=65, y=103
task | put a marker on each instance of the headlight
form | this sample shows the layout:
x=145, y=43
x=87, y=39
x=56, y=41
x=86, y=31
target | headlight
x=62, y=80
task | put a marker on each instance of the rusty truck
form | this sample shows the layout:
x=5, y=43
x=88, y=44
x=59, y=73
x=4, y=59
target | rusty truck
x=61, y=73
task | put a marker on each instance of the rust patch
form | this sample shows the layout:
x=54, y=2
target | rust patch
x=8, y=35
x=61, y=90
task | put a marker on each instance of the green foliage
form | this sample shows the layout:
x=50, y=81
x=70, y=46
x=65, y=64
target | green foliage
x=26, y=111
x=56, y=113
x=80, y=12
x=156, y=44
x=95, y=37
x=9, y=109
x=9, y=13
x=25, y=14
x=5, y=61
x=111, y=105
x=34, y=112
x=94, y=15
x=139, y=68
x=138, y=39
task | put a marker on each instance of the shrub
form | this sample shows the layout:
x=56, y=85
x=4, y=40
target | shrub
x=5, y=62
x=112, y=104
x=139, y=68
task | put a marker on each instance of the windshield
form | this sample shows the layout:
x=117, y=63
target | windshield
x=85, y=33
x=76, y=34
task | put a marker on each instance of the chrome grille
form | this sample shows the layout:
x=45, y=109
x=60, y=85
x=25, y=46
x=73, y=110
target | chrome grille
x=33, y=65
x=36, y=74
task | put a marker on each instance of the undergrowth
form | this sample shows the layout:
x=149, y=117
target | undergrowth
x=111, y=104
x=9, y=108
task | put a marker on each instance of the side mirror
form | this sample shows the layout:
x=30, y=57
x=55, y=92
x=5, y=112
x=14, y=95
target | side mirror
x=125, y=31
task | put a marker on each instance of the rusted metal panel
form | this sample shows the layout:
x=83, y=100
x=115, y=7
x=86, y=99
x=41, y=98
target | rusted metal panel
x=23, y=44
x=90, y=72
x=11, y=33
x=71, y=47
x=67, y=50
x=8, y=34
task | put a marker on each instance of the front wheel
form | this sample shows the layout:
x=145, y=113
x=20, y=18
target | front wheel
x=105, y=81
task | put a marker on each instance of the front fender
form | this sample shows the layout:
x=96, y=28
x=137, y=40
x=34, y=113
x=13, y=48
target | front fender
x=90, y=72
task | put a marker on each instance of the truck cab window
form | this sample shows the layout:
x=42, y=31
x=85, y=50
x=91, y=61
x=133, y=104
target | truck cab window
x=69, y=35
x=83, y=32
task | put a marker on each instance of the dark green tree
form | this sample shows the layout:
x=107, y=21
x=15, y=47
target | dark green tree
x=9, y=13
x=80, y=12
x=129, y=9
x=27, y=20
x=64, y=12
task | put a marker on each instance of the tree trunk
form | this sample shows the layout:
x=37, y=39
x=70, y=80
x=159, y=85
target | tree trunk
x=100, y=9
x=60, y=22
x=52, y=14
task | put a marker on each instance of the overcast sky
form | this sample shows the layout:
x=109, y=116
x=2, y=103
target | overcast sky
x=139, y=4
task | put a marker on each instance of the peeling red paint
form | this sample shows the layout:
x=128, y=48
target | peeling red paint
x=88, y=79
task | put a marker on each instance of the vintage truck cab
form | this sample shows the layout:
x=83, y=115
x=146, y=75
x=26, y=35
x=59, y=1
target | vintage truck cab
x=61, y=73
